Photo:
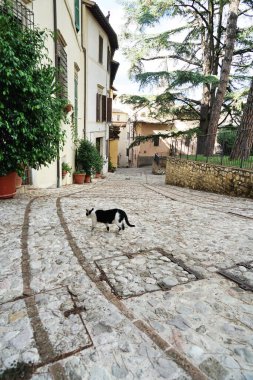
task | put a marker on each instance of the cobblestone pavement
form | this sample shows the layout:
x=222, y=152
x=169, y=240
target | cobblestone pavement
x=169, y=299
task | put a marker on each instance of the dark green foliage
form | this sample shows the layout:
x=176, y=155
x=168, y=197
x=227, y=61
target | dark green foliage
x=98, y=163
x=30, y=110
x=187, y=134
x=87, y=156
x=226, y=138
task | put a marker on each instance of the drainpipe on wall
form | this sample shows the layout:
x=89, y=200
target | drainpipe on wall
x=84, y=57
x=55, y=62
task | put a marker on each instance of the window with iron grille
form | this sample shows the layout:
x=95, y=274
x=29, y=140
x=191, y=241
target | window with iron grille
x=62, y=69
x=100, y=50
x=19, y=12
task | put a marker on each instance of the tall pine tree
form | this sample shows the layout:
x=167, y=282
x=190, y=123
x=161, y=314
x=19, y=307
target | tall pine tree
x=187, y=58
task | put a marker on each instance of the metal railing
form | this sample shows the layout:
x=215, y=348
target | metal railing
x=18, y=11
x=195, y=149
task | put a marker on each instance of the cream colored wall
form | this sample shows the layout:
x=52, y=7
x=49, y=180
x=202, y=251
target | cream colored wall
x=43, y=18
x=147, y=148
x=114, y=152
x=124, y=137
x=97, y=76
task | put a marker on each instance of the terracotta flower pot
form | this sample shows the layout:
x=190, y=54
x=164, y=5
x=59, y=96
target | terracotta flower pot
x=8, y=185
x=18, y=181
x=78, y=178
x=64, y=173
x=87, y=178
x=98, y=175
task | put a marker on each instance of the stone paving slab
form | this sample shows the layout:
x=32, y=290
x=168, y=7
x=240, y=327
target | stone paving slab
x=136, y=274
x=208, y=320
x=55, y=311
x=242, y=273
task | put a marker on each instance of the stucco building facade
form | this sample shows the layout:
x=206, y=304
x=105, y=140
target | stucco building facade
x=83, y=52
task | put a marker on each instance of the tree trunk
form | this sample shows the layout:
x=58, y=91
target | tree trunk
x=211, y=55
x=205, y=101
x=224, y=76
x=244, y=139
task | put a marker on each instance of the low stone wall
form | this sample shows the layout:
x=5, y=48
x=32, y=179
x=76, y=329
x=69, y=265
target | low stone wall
x=215, y=178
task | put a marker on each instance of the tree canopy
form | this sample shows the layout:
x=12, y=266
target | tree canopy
x=30, y=110
x=181, y=64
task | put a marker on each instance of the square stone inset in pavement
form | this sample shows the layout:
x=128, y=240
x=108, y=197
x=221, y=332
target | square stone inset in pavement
x=133, y=275
x=53, y=312
x=242, y=273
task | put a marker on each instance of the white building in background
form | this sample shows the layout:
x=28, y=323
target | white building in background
x=101, y=42
x=83, y=52
x=121, y=120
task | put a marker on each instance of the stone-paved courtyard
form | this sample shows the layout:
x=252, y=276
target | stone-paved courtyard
x=171, y=298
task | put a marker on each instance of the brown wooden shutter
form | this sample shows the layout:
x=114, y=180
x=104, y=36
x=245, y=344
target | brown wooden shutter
x=109, y=109
x=103, y=107
x=98, y=108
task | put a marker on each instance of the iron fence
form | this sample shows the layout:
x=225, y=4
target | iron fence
x=194, y=148
x=18, y=11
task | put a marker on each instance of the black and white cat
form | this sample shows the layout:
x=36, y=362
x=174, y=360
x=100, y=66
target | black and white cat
x=107, y=217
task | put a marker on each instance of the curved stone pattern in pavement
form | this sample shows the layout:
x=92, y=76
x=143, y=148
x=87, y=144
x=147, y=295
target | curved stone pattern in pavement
x=145, y=303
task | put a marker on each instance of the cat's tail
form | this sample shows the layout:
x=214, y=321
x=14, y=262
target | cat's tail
x=127, y=221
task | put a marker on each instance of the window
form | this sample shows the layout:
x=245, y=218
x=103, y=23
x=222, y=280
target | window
x=62, y=68
x=156, y=140
x=99, y=144
x=103, y=107
x=77, y=15
x=19, y=12
x=100, y=50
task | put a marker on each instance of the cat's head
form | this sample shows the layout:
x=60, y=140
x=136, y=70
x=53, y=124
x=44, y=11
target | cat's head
x=88, y=212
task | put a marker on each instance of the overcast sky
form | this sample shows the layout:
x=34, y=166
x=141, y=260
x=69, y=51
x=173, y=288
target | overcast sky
x=121, y=83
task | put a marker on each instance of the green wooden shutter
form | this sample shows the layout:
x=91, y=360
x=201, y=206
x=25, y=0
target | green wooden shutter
x=76, y=100
x=77, y=14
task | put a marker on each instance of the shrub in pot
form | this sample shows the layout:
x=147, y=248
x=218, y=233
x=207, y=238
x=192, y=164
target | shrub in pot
x=98, y=165
x=86, y=157
x=66, y=168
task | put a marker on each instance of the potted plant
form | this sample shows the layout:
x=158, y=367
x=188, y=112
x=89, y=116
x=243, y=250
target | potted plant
x=78, y=177
x=86, y=158
x=111, y=168
x=30, y=109
x=18, y=181
x=98, y=165
x=66, y=168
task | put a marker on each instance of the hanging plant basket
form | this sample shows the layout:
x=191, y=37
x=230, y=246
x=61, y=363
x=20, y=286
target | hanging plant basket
x=68, y=108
